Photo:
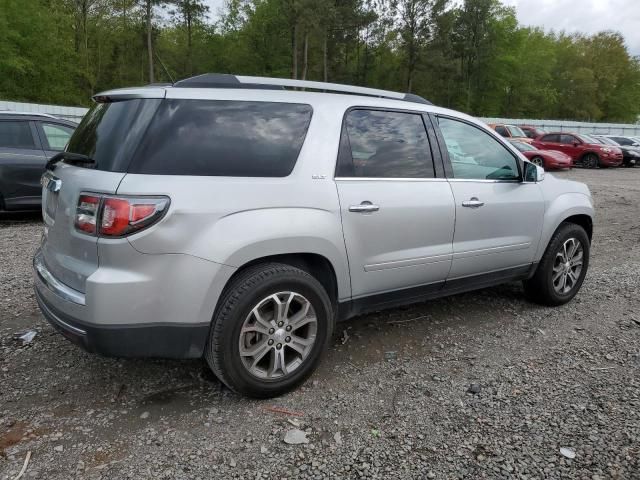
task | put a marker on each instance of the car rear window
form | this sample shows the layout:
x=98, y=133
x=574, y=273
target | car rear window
x=110, y=132
x=223, y=138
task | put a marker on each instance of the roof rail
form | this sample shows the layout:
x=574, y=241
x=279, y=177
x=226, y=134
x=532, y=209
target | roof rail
x=223, y=80
x=33, y=114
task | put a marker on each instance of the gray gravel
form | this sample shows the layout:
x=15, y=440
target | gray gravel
x=480, y=385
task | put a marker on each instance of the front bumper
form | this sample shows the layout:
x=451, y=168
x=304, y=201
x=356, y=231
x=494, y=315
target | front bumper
x=121, y=319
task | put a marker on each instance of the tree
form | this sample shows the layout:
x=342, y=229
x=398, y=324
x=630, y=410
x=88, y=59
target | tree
x=190, y=13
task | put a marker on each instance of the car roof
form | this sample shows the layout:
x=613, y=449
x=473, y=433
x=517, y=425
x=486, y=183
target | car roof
x=11, y=115
x=316, y=94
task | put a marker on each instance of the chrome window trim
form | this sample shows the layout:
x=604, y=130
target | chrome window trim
x=54, y=284
x=480, y=180
x=389, y=179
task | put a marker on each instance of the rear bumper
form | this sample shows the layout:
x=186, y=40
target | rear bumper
x=165, y=341
x=117, y=317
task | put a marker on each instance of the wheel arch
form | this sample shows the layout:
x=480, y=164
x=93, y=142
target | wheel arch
x=318, y=266
x=567, y=208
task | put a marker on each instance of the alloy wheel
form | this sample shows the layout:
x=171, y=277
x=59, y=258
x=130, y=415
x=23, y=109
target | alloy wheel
x=567, y=266
x=278, y=335
x=537, y=161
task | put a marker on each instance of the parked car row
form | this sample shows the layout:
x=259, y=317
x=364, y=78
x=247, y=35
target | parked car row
x=555, y=150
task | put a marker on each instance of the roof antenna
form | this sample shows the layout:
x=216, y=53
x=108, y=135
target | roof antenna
x=164, y=68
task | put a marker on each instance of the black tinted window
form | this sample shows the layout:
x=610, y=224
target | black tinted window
x=16, y=134
x=223, y=138
x=385, y=145
x=110, y=132
x=568, y=139
x=502, y=131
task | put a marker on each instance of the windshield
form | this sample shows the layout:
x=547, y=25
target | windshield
x=110, y=132
x=608, y=141
x=587, y=139
x=523, y=147
x=515, y=131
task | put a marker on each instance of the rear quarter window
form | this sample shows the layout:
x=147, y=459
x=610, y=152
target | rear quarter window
x=223, y=138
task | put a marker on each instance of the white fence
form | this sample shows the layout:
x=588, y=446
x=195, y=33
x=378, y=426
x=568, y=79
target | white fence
x=76, y=113
x=571, y=126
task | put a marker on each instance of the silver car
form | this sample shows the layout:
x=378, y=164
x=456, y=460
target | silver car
x=233, y=219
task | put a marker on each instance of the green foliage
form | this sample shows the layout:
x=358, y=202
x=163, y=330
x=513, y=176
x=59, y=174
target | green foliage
x=470, y=55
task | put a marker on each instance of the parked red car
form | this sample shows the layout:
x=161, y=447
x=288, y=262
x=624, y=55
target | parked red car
x=582, y=149
x=548, y=159
x=532, y=131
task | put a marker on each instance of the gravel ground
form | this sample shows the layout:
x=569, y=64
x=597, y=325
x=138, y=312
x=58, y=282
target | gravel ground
x=480, y=385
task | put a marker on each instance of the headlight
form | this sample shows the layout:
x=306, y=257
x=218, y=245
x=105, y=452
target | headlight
x=606, y=150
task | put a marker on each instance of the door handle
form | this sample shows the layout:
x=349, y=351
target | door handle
x=364, y=207
x=473, y=202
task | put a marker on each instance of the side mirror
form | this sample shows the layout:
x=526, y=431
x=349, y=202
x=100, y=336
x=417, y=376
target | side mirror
x=575, y=144
x=533, y=173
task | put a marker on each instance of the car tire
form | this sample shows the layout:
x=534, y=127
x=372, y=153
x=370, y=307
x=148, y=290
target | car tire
x=591, y=160
x=546, y=287
x=281, y=360
x=539, y=161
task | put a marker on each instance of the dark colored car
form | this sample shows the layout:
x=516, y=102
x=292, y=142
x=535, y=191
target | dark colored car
x=547, y=159
x=532, y=131
x=583, y=150
x=630, y=154
x=27, y=141
x=624, y=140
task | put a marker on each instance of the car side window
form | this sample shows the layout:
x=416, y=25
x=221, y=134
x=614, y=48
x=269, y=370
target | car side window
x=568, y=139
x=384, y=144
x=16, y=134
x=475, y=154
x=502, y=131
x=57, y=135
x=554, y=138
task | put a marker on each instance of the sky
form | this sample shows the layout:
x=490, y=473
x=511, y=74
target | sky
x=587, y=16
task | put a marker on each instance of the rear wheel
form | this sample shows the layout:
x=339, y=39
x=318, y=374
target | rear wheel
x=269, y=331
x=538, y=161
x=562, y=268
x=591, y=160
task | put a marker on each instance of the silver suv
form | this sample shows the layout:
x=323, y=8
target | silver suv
x=238, y=218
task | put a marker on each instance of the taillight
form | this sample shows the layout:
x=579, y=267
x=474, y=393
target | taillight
x=119, y=216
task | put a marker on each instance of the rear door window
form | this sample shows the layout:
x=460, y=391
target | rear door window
x=223, y=138
x=16, y=134
x=56, y=136
x=384, y=144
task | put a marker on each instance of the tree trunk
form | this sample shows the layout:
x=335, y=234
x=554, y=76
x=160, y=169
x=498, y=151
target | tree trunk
x=324, y=58
x=149, y=45
x=305, y=65
x=294, y=51
x=189, y=22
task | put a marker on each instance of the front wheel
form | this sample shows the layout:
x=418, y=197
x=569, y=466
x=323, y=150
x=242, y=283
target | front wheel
x=591, y=160
x=562, y=268
x=269, y=331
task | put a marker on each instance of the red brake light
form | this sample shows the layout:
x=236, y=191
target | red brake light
x=87, y=213
x=115, y=217
x=119, y=216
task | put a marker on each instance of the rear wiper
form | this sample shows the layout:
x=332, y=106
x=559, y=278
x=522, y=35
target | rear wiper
x=71, y=158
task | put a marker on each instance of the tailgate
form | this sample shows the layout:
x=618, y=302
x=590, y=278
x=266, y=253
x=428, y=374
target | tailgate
x=69, y=255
